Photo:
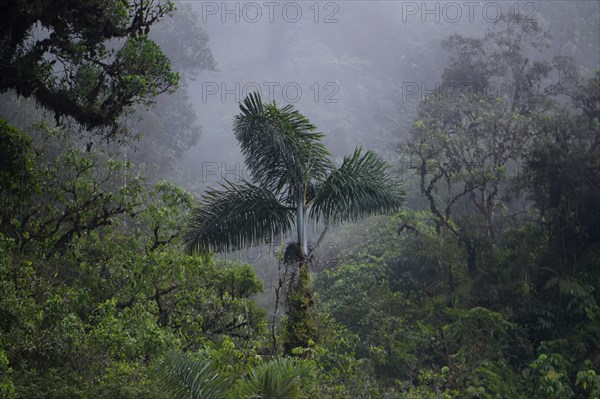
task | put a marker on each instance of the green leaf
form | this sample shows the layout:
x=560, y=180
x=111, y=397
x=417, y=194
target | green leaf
x=238, y=216
x=360, y=187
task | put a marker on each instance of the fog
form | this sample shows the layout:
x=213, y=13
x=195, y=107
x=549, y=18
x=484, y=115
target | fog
x=356, y=69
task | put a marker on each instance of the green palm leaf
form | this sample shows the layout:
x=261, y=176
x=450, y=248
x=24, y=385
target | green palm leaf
x=279, y=145
x=185, y=377
x=360, y=187
x=278, y=379
x=238, y=216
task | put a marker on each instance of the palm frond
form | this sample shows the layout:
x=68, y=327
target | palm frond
x=281, y=378
x=280, y=146
x=236, y=217
x=360, y=187
x=182, y=376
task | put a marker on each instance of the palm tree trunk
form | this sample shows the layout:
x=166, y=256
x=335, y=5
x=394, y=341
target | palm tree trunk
x=300, y=328
x=302, y=244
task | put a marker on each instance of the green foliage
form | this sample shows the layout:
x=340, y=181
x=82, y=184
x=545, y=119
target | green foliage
x=17, y=182
x=238, y=216
x=341, y=373
x=456, y=350
x=551, y=373
x=17, y=159
x=280, y=378
x=280, y=145
x=96, y=286
x=359, y=296
x=489, y=290
x=107, y=62
x=299, y=329
x=7, y=388
x=360, y=187
x=588, y=380
x=185, y=377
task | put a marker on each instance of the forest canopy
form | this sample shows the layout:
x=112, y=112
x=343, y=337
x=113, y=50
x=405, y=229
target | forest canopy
x=454, y=253
x=87, y=60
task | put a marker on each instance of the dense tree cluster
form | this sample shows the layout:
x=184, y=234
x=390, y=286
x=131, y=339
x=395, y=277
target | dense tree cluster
x=490, y=288
x=479, y=279
x=87, y=60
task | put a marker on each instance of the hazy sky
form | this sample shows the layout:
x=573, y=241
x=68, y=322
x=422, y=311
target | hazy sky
x=355, y=68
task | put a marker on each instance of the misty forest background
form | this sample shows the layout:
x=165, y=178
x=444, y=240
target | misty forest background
x=116, y=118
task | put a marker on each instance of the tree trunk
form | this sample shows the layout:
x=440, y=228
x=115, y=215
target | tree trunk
x=299, y=329
x=471, y=258
x=302, y=244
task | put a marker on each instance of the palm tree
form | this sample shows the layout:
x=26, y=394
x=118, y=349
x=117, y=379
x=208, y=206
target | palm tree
x=282, y=378
x=292, y=180
x=183, y=376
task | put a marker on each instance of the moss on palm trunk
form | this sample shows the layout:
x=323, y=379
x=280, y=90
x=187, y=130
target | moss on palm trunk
x=300, y=327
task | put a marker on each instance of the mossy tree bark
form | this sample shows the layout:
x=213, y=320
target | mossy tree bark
x=300, y=327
